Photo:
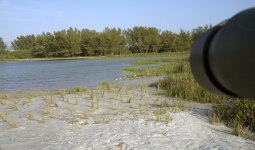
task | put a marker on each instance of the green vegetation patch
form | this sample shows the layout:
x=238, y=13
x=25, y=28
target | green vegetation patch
x=106, y=85
x=236, y=113
x=77, y=90
x=155, y=67
x=154, y=61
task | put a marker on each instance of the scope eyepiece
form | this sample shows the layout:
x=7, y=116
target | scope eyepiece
x=223, y=58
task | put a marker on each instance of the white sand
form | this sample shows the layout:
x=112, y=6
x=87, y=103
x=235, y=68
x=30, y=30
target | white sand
x=114, y=125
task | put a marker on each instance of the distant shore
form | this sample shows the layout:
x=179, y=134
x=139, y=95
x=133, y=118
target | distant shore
x=97, y=57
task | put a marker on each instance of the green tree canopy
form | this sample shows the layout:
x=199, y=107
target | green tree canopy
x=89, y=42
x=2, y=45
x=111, y=41
x=114, y=41
x=198, y=31
x=144, y=39
x=184, y=41
x=168, y=41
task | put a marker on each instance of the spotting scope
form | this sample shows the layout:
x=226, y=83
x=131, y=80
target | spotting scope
x=223, y=58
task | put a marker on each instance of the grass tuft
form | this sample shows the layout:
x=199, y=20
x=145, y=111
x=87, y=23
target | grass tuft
x=105, y=85
x=30, y=116
x=3, y=116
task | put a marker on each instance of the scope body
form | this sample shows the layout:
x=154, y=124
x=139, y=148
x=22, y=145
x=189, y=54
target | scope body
x=223, y=58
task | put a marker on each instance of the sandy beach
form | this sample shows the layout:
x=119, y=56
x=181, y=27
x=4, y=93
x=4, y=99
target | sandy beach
x=129, y=115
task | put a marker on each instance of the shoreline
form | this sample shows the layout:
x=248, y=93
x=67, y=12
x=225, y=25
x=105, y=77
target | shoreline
x=96, y=57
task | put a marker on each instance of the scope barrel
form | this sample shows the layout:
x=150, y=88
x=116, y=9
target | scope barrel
x=223, y=58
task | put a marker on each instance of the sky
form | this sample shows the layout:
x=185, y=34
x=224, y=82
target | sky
x=23, y=17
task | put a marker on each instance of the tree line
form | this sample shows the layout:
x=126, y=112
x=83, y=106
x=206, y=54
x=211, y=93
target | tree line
x=111, y=41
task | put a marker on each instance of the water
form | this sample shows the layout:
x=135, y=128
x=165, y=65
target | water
x=50, y=75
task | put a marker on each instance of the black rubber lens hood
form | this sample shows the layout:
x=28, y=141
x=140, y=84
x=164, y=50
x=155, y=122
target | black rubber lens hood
x=223, y=58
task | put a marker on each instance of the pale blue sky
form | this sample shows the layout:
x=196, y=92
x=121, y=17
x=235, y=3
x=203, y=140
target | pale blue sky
x=22, y=17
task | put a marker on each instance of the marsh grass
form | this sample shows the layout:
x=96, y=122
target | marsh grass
x=3, y=101
x=4, y=116
x=146, y=111
x=168, y=119
x=157, y=115
x=73, y=119
x=62, y=93
x=99, y=90
x=180, y=83
x=161, y=113
x=16, y=95
x=12, y=123
x=97, y=101
x=148, y=71
x=214, y=119
x=105, y=85
x=120, y=146
x=178, y=106
x=133, y=92
x=135, y=115
x=17, y=101
x=237, y=126
x=154, y=61
x=102, y=93
x=47, y=111
x=120, y=97
x=76, y=100
x=164, y=107
x=4, y=96
x=13, y=106
x=78, y=90
x=158, y=87
x=30, y=115
x=7, y=119
x=67, y=99
x=129, y=100
x=91, y=99
x=43, y=119
x=113, y=101
x=84, y=115
x=72, y=111
x=53, y=101
x=29, y=98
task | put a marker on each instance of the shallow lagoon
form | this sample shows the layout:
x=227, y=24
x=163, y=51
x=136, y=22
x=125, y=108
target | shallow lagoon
x=51, y=75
